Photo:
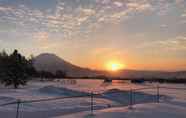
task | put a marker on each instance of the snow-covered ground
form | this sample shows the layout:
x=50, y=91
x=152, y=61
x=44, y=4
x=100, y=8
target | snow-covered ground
x=150, y=110
x=113, y=102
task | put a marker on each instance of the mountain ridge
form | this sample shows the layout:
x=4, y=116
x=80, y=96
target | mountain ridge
x=51, y=62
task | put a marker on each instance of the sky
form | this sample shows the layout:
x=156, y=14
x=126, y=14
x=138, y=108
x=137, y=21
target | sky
x=140, y=34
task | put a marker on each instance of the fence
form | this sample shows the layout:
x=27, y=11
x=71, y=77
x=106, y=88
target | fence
x=132, y=95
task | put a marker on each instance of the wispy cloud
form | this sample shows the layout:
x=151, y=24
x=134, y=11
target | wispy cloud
x=139, y=6
x=68, y=20
x=43, y=41
x=71, y=21
x=174, y=44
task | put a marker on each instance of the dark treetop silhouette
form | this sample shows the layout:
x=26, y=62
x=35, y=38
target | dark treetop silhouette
x=15, y=69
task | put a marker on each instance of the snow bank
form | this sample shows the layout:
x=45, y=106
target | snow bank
x=123, y=96
x=150, y=110
x=6, y=99
x=52, y=90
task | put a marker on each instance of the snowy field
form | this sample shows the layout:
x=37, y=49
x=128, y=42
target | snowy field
x=113, y=102
x=150, y=110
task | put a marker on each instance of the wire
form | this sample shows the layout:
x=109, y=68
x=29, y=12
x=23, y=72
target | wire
x=87, y=95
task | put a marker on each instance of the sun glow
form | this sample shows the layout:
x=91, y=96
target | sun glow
x=114, y=66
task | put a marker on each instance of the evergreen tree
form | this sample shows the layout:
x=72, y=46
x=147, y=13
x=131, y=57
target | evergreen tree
x=3, y=64
x=60, y=74
x=16, y=69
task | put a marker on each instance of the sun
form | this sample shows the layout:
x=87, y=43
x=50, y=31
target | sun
x=114, y=65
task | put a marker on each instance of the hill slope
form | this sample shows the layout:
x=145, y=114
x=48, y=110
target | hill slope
x=52, y=63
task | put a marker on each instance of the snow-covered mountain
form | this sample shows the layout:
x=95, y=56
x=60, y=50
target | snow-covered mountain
x=52, y=63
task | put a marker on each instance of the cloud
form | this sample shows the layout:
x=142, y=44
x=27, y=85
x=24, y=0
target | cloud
x=118, y=4
x=119, y=15
x=175, y=44
x=139, y=7
x=164, y=26
x=41, y=36
x=71, y=21
x=43, y=41
x=5, y=9
x=184, y=14
x=179, y=2
x=88, y=11
x=171, y=46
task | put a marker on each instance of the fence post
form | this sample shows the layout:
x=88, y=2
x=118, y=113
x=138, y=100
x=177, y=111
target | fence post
x=17, y=109
x=92, y=100
x=158, y=94
x=131, y=102
x=134, y=101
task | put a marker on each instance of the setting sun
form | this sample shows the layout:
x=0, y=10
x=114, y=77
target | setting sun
x=114, y=65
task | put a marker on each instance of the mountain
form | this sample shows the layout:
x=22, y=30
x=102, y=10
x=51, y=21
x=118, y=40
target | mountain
x=52, y=63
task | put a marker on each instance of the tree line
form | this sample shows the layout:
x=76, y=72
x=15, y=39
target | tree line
x=16, y=70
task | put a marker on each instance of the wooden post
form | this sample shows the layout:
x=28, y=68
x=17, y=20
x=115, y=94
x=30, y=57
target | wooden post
x=17, y=109
x=158, y=94
x=133, y=98
x=92, y=100
x=131, y=102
